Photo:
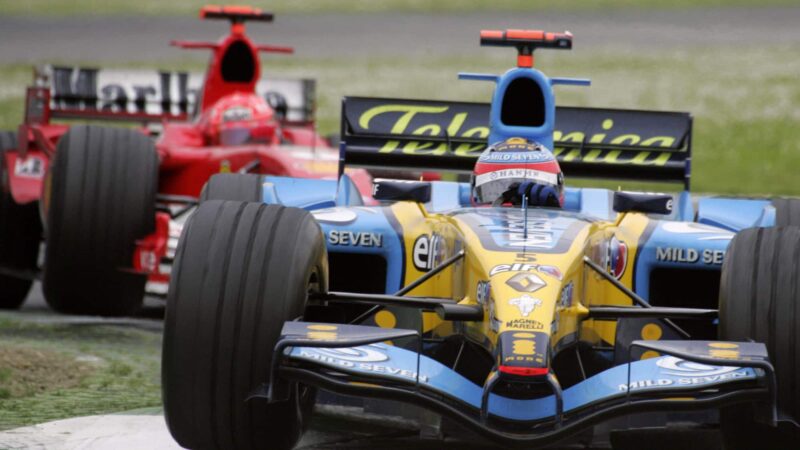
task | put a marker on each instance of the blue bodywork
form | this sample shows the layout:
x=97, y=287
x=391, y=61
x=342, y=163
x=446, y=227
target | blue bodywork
x=694, y=237
x=663, y=373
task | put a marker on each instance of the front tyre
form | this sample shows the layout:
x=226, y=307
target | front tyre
x=787, y=211
x=759, y=300
x=233, y=186
x=241, y=270
x=102, y=194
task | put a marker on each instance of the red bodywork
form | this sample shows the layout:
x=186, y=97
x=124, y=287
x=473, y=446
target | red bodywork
x=233, y=129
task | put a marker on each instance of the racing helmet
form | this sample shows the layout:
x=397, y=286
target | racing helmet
x=239, y=118
x=510, y=170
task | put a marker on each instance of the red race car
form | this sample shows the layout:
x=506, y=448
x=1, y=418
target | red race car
x=108, y=199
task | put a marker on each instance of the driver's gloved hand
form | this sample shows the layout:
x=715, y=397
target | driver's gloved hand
x=538, y=194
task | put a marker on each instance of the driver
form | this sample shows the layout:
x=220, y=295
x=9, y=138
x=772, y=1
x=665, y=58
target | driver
x=238, y=119
x=515, y=169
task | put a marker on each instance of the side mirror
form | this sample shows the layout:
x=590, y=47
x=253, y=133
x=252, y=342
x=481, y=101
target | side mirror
x=418, y=191
x=646, y=202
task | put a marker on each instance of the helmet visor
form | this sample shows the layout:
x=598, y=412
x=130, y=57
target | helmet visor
x=491, y=186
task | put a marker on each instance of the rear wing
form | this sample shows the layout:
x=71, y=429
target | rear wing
x=62, y=92
x=589, y=142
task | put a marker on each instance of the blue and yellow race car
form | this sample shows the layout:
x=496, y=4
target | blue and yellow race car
x=526, y=322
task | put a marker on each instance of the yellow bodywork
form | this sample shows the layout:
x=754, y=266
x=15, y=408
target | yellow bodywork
x=558, y=308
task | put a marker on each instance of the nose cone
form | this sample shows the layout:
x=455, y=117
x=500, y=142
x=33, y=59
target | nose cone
x=525, y=306
x=523, y=353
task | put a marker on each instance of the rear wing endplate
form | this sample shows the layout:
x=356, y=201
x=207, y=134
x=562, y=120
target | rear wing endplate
x=141, y=95
x=449, y=136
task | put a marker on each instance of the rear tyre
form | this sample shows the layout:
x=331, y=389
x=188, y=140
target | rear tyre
x=760, y=300
x=241, y=270
x=20, y=235
x=101, y=200
x=787, y=211
x=232, y=186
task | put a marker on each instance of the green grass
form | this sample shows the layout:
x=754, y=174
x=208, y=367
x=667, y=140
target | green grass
x=746, y=101
x=190, y=7
x=50, y=372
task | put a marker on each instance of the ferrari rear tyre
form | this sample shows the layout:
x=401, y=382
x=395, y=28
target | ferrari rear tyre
x=233, y=186
x=759, y=300
x=101, y=200
x=241, y=270
x=20, y=236
x=787, y=211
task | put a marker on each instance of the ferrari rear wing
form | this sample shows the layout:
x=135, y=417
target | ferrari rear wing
x=65, y=92
x=589, y=142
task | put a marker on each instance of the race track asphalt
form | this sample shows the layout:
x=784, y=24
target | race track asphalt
x=125, y=39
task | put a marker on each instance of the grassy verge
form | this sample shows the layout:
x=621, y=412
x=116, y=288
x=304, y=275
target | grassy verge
x=188, y=7
x=55, y=371
x=746, y=101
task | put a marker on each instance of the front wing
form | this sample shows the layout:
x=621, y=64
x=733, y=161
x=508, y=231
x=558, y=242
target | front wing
x=356, y=360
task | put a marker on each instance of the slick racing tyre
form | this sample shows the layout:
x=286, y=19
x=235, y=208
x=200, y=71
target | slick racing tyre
x=20, y=235
x=787, y=211
x=233, y=186
x=241, y=270
x=759, y=300
x=101, y=200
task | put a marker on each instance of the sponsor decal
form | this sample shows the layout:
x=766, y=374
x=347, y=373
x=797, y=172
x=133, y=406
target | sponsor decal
x=153, y=92
x=236, y=113
x=483, y=292
x=523, y=348
x=724, y=350
x=513, y=157
x=322, y=333
x=613, y=255
x=515, y=232
x=367, y=353
x=678, y=367
x=690, y=255
x=526, y=304
x=689, y=373
x=470, y=121
x=526, y=282
x=224, y=166
x=565, y=299
x=355, y=238
x=528, y=174
x=552, y=271
x=361, y=358
x=505, y=229
x=428, y=251
x=525, y=324
x=30, y=167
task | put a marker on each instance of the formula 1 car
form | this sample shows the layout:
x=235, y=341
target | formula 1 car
x=527, y=325
x=112, y=199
